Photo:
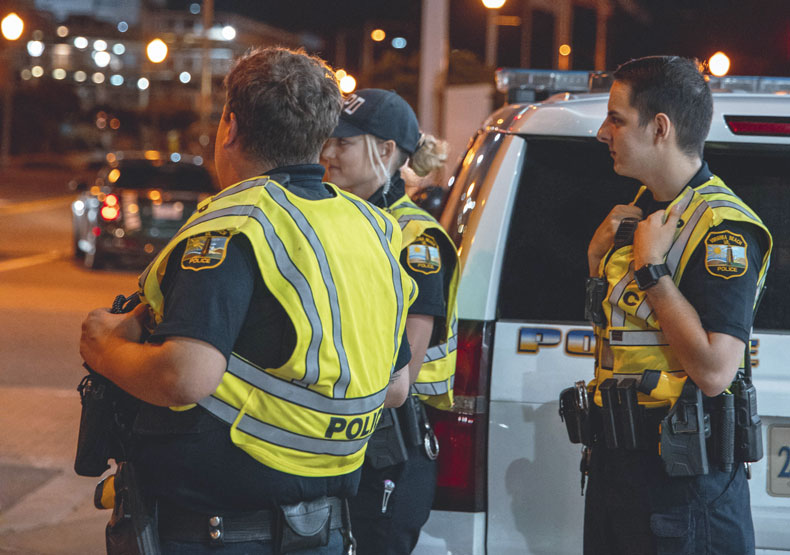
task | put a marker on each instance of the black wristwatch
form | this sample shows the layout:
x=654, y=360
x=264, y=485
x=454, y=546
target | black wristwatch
x=648, y=275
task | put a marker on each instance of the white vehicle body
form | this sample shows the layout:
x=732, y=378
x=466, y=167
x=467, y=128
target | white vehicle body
x=531, y=174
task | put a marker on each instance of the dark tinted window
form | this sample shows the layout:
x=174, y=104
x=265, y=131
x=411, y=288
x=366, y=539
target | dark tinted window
x=762, y=179
x=568, y=186
x=138, y=174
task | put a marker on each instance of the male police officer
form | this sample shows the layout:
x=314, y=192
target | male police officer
x=679, y=294
x=267, y=366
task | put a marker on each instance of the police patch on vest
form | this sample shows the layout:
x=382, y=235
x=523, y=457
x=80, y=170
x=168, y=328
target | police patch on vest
x=725, y=254
x=423, y=255
x=205, y=251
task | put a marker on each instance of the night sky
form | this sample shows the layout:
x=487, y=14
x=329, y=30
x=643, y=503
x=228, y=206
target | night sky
x=754, y=33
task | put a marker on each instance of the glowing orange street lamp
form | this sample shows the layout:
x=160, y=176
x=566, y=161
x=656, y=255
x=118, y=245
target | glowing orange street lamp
x=156, y=51
x=12, y=26
x=719, y=64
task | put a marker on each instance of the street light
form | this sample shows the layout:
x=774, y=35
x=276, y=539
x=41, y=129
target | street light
x=156, y=51
x=12, y=26
x=492, y=29
x=719, y=64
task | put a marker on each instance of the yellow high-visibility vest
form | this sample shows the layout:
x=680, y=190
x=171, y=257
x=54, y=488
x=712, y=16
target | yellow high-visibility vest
x=632, y=340
x=333, y=266
x=434, y=383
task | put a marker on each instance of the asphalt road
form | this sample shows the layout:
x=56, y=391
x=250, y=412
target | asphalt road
x=45, y=508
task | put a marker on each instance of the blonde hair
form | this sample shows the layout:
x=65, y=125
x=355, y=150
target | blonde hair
x=431, y=154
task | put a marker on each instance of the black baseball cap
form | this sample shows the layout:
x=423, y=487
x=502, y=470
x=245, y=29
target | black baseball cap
x=381, y=113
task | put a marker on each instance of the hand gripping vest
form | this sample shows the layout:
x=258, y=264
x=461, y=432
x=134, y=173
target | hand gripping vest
x=632, y=340
x=325, y=261
x=434, y=383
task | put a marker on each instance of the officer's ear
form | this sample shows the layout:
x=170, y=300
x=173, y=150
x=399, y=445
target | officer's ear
x=232, y=134
x=386, y=150
x=663, y=126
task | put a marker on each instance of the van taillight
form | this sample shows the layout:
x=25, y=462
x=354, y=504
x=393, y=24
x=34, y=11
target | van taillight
x=463, y=432
x=759, y=125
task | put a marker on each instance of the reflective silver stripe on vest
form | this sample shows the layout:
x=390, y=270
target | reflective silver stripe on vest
x=394, y=265
x=341, y=386
x=638, y=338
x=679, y=245
x=404, y=220
x=644, y=310
x=715, y=190
x=278, y=436
x=294, y=276
x=430, y=388
x=241, y=187
x=299, y=395
x=441, y=350
x=618, y=316
x=733, y=205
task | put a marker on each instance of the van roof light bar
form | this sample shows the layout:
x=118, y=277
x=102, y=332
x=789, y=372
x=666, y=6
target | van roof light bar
x=531, y=85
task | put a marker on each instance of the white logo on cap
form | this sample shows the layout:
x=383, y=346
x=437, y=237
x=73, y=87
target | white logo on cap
x=352, y=104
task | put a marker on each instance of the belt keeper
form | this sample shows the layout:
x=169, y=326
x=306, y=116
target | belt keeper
x=216, y=531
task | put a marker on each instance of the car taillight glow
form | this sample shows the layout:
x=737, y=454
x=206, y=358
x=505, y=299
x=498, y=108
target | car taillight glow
x=759, y=125
x=463, y=432
x=110, y=209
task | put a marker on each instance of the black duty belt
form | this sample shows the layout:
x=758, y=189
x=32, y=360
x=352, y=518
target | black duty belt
x=183, y=525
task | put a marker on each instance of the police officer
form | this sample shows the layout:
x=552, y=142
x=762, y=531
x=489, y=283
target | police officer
x=679, y=298
x=377, y=134
x=265, y=370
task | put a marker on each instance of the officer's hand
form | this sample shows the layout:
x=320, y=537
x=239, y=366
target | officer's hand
x=603, y=239
x=653, y=237
x=101, y=327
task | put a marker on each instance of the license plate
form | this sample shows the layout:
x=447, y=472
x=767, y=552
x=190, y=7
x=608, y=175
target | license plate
x=168, y=211
x=779, y=461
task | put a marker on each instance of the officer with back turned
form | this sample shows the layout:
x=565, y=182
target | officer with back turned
x=672, y=292
x=259, y=397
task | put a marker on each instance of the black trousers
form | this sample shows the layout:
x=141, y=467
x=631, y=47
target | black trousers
x=633, y=507
x=396, y=531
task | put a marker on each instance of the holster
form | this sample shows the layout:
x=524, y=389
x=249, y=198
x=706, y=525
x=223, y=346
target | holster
x=683, y=434
x=132, y=529
x=305, y=525
x=386, y=446
x=748, y=426
x=575, y=412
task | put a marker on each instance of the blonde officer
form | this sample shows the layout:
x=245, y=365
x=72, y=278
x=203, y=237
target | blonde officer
x=377, y=134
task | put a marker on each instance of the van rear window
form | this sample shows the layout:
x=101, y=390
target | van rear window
x=568, y=186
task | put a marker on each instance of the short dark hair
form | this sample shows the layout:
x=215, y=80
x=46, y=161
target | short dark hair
x=286, y=102
x=676, y=87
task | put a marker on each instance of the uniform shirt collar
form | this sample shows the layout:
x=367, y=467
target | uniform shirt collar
x=397, y=190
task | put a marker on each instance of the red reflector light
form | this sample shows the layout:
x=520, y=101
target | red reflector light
x=759, y=125
x=463, y=432
x=96, y=231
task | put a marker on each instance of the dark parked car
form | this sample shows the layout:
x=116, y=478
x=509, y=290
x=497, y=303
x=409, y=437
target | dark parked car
x=135, y=204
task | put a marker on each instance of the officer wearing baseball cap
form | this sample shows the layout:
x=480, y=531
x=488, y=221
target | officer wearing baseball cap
x=377, y=134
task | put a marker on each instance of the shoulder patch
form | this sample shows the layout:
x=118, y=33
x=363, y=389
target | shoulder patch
x=205, y=251
x=423, y=255
x=725, y=254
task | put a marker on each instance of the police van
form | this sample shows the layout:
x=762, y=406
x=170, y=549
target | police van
x=531, y=190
